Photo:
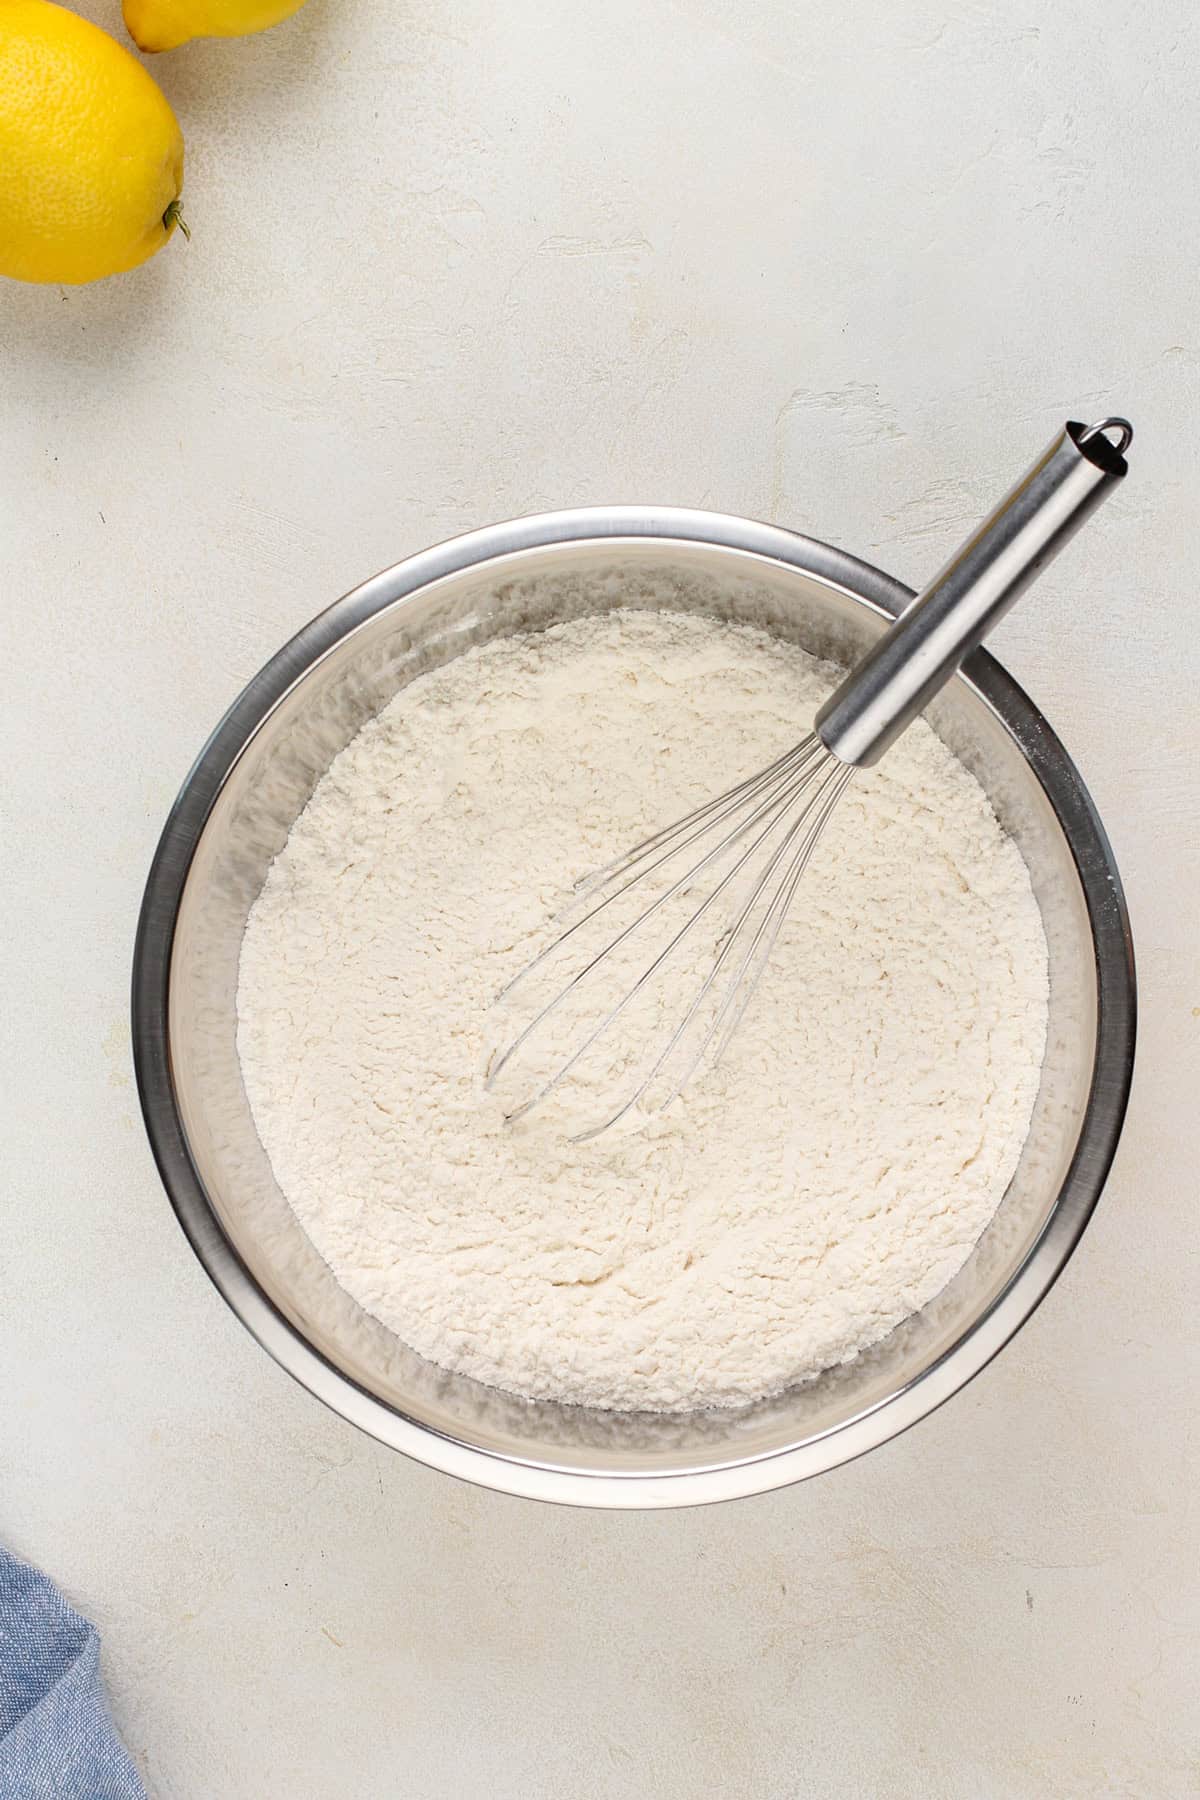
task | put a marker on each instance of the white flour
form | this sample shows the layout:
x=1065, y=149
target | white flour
x=800, y=1200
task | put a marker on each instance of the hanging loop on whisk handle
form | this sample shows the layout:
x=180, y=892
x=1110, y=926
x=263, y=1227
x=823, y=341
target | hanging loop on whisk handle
x=951, y=617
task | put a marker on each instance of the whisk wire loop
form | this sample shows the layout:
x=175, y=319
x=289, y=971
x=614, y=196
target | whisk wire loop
x=781, y=810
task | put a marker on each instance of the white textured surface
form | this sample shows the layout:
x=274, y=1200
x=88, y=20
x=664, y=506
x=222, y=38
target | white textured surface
x=841, y=267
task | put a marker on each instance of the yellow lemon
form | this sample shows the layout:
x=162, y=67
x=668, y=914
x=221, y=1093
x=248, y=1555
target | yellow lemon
x=91, y=156
x=162, y=24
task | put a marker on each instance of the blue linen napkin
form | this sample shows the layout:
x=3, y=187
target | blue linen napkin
x=57, y=1738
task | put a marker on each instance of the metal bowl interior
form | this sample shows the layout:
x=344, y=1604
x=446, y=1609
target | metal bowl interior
x=233, y=815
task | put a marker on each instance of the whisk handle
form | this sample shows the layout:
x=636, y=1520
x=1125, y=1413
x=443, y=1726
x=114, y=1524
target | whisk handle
x=952, y=616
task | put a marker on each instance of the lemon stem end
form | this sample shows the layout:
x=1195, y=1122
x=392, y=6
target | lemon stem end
x=172, y=217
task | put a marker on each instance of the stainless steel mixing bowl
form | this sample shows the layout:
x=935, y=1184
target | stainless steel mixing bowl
x=233, y=815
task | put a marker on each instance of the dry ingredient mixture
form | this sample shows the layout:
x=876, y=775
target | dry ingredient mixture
x=801, y=1199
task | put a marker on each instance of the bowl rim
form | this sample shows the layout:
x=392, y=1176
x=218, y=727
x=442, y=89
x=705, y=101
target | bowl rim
x=632, y=1489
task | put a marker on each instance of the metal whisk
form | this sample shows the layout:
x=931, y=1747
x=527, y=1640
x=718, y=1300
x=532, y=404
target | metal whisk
x=744, y=852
